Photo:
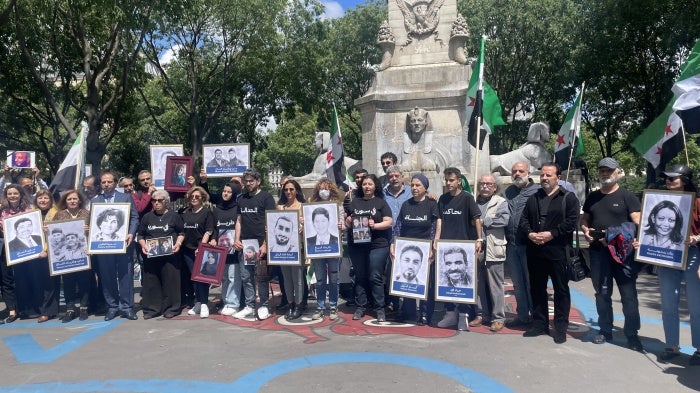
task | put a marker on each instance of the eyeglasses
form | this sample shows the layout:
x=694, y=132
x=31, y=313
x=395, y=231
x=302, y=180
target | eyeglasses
x=157, y=200
x=486, y=184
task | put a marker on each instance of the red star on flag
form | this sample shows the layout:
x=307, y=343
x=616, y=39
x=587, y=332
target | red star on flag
x=340, y=140
x=668, y=129
x=329, y=157
x=472, y=101
x=659, y=150
x=560, y=140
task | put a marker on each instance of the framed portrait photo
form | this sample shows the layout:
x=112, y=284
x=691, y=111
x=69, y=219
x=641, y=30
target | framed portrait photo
x=67, y=247
x=321, y=235
x=209, y=264
x=251, y=252
x=665, y=224
x=177, y=170
x=283, y=237
x=455, y=271
x=21, y=159
x=159, y=246
x=226, y=160
x=410, y=268
x=24, y=239
x=109, y=225
x=226, y=239
x=361, y=233
x=159, y=155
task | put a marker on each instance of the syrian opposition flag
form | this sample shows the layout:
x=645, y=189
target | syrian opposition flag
x=483, y=105
x=335, y=156
x=662, y=140
x=570, y=132
x=68, y=176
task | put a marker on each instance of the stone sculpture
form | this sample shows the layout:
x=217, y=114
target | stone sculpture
x=419, y=133
x=321, y=143
x=420, y=19
x=533, y=151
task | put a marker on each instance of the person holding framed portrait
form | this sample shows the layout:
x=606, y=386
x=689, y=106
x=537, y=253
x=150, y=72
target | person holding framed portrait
x=71, y=206
x=294, y=277
x=326, y=269
x=418, y=219
x=199, y=224
x=679, y=178
x=369, y=258
x=14, y=201
x=160, y=291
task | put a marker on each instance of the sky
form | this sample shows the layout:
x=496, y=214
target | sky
x=336, y=8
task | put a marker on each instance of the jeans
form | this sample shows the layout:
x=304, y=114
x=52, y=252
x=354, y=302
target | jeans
x=368, y=265
x=603, y=270
x=670, y=283
x=231, y=285
x=322, y=268
x=516, y=258
x=491, y=302
x=247, y=277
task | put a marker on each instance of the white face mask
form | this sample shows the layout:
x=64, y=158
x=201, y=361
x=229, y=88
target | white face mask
x=324, y=194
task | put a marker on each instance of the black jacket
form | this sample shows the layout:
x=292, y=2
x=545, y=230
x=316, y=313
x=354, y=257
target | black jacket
x=560, y=224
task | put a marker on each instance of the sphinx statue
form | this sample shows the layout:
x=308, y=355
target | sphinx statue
x=533, y=152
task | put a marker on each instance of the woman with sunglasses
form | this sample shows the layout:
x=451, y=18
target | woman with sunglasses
x=160, y=288
x=77, y=285
x=199, y=226
x=294, y=277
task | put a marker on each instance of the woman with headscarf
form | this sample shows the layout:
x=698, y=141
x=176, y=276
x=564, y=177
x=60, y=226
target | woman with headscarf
x=225, y=214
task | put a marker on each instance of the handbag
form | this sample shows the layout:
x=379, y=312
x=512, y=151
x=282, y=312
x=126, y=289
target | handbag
x=576, y=267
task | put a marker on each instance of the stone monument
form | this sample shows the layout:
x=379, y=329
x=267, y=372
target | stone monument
x=416, y=105
x=321, y=143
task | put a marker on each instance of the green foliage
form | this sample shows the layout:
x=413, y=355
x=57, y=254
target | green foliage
x=291, y=146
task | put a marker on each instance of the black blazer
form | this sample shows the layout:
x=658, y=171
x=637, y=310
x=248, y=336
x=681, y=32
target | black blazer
x=561, y=224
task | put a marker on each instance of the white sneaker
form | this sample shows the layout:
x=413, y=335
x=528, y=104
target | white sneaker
x=204, y=311
x=263, y=313
x=195, y=310
x=228, y=310
x=245, y=313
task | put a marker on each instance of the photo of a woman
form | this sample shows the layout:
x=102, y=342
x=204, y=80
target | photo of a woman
x=664, y=226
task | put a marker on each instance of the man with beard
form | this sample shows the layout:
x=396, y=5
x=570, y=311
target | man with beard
x=549, y=220
x=455, y=273
x=517, y=195
x=611, y=206
x=410, y=262
x=73, y=248
x=283, y=234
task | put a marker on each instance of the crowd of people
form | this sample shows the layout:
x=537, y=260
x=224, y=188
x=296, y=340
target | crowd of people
x=525, y=228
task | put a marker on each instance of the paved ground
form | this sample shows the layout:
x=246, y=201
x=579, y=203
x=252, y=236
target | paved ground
x=221, y=354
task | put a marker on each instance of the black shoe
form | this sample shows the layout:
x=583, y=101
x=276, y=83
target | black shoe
x=290, y=312
x=69, y=316
x=559, y=337
x=130, y=315
x=602, y=338
x=695, y=359
x=515, y=323
x=381, y=316
x=535, y=331
x=111, y=314
x=83, y=313
x=149, y=316
x=296, y=314
x=422, y=320
x=10, y=318
x=634, y=344
x=170, y=314
x=668, y=354
x=359, y=313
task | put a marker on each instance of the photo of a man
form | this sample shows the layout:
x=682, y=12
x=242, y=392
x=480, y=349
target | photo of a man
x=74, y=249
x=218, y=160
x=24, y=239
x=21, y=159
x=454, y=270
x=224, y=160
x=284, y=236
x=410, y=262
x=233, y=159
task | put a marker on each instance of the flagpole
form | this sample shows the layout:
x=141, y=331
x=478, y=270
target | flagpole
x=479, y=89
x=576, y=125
x=80, y=170
x=685, y=145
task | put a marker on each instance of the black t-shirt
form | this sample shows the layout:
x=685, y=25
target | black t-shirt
x=456, y=213
x=377, y=209
x=225, y=219
x=417, y=218
x=196, y=224
x=153, y=225
x=607, y=210
x=251, y=209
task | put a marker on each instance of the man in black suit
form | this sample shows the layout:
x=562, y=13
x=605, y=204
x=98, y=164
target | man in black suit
x=24, y=238
x=116, y=272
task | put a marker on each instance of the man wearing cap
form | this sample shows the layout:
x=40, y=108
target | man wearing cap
x=611, y=206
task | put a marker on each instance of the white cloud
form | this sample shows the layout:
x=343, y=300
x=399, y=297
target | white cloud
x=168, y=55
x=333, y=10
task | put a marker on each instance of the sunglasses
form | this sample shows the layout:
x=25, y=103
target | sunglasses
x=196, y=197
x=157, y=200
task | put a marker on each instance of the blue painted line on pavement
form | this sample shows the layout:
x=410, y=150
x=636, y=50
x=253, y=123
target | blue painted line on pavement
x=27, y=350
x=256, y=379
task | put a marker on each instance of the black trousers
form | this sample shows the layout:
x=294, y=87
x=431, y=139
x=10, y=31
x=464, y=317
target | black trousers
x=541, y=270
x=161, y=285
x=36, y=290
x=7, y=283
